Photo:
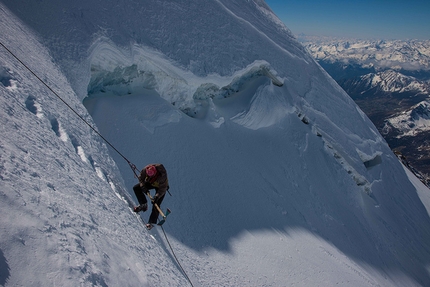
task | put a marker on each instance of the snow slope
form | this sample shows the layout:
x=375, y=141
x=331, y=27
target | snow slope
x=277, y=177
x=63, y=204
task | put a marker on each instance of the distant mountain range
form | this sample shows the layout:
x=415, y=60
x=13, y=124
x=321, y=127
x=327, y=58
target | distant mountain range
x=412, y=56
x=390, y=81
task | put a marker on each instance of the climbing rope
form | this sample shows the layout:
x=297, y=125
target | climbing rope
x=132, y=166
x=176, y=258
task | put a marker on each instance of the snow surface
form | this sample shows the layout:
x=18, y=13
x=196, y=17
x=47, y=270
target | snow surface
x=273, y=185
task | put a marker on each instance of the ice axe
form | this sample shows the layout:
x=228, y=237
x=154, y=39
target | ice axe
x=159, y=210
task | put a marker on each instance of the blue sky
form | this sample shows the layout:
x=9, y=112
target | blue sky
x=366, y=19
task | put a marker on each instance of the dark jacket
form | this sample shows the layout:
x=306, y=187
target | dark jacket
x=159, y=181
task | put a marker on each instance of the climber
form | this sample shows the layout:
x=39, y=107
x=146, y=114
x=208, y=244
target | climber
x=152, y=176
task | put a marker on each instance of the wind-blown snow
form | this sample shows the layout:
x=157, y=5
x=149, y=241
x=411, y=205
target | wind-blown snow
x=277, y=177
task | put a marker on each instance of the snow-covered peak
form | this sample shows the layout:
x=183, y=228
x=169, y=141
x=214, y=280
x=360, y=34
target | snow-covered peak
x=277, y=177
x=392, y=81
x=379, y=54
x=413, y=121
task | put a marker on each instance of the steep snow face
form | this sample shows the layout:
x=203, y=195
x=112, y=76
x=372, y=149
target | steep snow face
x=248, y=97
x=203, y=39
x=64, y=211
x=277, y=177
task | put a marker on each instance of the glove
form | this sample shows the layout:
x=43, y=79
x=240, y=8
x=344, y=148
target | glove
x=154, y=199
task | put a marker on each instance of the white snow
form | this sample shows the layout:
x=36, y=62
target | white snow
x=277, y=177
x=412, y=121
x=410, y=55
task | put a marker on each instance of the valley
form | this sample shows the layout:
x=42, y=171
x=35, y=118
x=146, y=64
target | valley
x=390, y=81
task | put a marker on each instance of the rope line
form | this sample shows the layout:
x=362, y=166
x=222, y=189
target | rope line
x=132, y=166
x=176, y=258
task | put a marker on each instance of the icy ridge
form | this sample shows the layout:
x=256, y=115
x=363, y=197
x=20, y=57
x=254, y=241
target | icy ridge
x=122, y=72
x=114, y=72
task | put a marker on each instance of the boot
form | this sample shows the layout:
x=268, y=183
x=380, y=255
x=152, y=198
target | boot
x=142, y=207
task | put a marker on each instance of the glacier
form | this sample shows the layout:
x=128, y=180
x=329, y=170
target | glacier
x=277, y=177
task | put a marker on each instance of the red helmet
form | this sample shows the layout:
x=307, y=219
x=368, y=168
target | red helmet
x=151, y=170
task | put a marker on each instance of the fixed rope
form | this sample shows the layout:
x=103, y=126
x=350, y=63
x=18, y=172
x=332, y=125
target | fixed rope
x=132, y=166
x=176, y=258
